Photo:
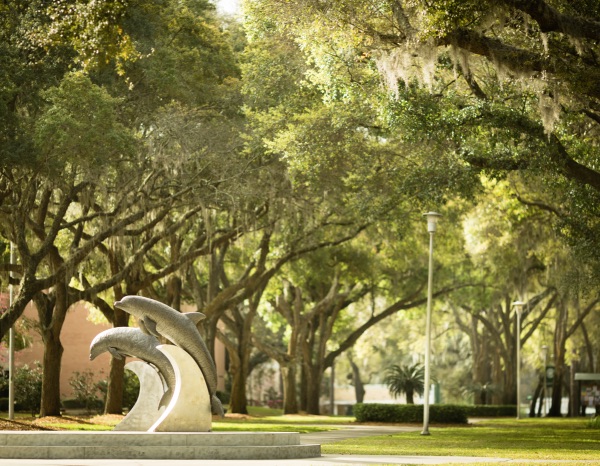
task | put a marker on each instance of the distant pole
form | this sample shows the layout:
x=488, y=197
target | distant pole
x=545, y=354
x=11, y=345
x=518, y=306
x=432, y=219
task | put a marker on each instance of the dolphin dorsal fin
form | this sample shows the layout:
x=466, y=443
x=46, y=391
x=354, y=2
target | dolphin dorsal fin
x=195, y=317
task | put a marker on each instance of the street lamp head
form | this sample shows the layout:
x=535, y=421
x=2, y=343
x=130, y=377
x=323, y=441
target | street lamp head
x=432, y=219
x=518, y=306
x=544, y=350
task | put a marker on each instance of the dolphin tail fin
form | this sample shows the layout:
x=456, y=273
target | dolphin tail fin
x=216, y=406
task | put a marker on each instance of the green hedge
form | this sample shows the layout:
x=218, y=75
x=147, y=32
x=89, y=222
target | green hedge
x=441, y=414
x=491, y=410
x=74, y=403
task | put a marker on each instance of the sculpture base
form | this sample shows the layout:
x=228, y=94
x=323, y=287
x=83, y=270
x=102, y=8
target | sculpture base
x=154, y=445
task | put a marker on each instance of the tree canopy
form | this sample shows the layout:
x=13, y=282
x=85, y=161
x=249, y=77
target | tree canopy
x=274, y=175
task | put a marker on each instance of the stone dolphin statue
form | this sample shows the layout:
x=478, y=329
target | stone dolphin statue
x=128, y=341
x=156, y=318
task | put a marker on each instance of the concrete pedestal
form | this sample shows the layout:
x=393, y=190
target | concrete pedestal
x=154, y=445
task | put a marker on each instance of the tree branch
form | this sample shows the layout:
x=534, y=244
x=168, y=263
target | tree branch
x=551, y=20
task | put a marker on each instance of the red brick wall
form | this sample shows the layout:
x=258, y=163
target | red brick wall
x=77, y=334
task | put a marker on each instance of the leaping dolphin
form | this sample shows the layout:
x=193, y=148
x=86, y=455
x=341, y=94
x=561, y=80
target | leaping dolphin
x=156, y=318
x=128, y=341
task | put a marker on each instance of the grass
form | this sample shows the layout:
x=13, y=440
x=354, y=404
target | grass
x=262, y=419
x=79, y=427
x=535, y=439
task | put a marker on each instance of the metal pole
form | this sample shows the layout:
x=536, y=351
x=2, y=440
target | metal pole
x=518, y=307
x=545, y=349
x=518, y=363
x=11, y=347
x=428, y=341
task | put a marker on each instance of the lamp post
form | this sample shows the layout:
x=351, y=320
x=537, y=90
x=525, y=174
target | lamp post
x=545, y=354
x=11, y=345
x=432, y=219
x=518, y=307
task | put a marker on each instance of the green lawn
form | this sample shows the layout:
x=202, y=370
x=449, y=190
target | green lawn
x=538, y=439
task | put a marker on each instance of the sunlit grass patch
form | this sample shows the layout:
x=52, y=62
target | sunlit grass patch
x=79, y=427
x=540, y=439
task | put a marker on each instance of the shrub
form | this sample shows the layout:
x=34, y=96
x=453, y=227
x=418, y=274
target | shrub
x=70, y=404
x=223, y=397
x=442, y=414
x=28, y=388
x=86, y=390
x=594, y=423
x=491, y=410
x=131, y=389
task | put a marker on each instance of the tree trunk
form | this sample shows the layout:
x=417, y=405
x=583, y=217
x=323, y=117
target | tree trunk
x=238, y=402
x=359, y=388
x=313, y=389
x=313, y=393
x=303, y=389
x=52, y=312
x=208, y=330
x=557, y=383
x=116, y=376
x=498, y=379
x=174, y=287
x=290, y=396
x=116, y=386
x=560, y=338
x=53, y=350
x=537, y=395
x=482, y=370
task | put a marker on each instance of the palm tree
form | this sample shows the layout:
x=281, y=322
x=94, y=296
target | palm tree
x=405, y=379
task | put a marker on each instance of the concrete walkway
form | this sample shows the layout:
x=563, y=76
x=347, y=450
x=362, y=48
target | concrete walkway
x=344, y=432
x=347, y=431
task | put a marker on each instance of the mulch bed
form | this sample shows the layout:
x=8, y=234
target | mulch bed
x=43, y=423
x=5, y=424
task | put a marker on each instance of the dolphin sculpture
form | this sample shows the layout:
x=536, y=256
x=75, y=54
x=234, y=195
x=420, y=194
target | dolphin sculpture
x=158, y=319
x=128, y=341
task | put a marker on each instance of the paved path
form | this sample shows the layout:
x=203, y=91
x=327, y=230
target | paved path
x=325, y=460
x=346, y=431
